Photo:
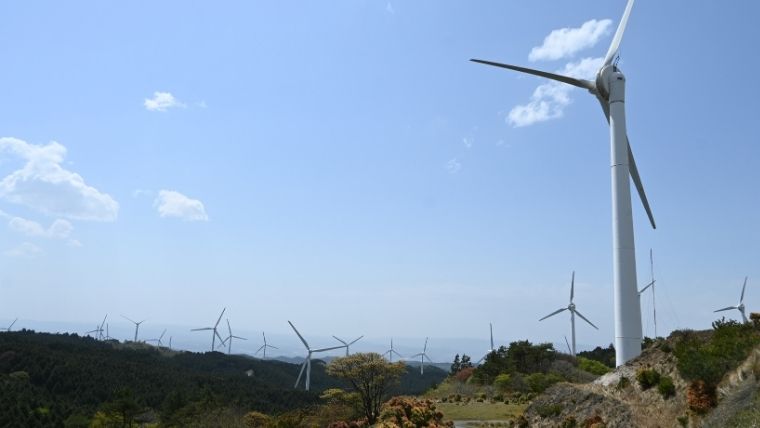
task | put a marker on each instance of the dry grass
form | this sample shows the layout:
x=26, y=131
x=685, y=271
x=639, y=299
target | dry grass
x=480, y=411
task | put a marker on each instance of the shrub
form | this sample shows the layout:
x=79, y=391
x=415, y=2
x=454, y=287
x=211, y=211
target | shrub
x=592, y=366
x=595, y=421
x=569, y=422
x=256, y=420
x=700, y=396
x=666, y=387
x=503, y=382
x=409, y=411
x=683, y=421
x=647, y=378
x=538, y=382
x=546, y=410
x=623, y=383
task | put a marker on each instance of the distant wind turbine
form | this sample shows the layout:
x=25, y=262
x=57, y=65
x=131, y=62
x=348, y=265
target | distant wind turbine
x=137, y=325
x=739, y=307
x=158, y=341
x=392, y=351
x=573, y=313
x=307, y=362
x=229, y=337
x=10, y=326
x=491, y=349
x=265, y=346
x=347, y=344
x=215, y=333
x=422, y=356
x=651, y=284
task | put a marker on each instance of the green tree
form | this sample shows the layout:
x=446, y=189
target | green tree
x=455, y=366
x=370, y=375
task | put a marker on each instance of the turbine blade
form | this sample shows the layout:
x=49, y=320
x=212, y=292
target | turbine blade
x=220, y=318
x=340, y=340
x=744, y=317
x=229, y=329
x=327, y=349
x=426, y=357
x=238, y=337
x=202, y=329
x=585, y=319
x=425, y=348
x=741, y=299
x=299, y=335
x=615, y=45
x=645, y=287
x=104, y=321
x=259, y=350
x=415, y=355
x=572, y=287
x=634, y=171
x=569, y=350
x=728, y=308
x=356, y=340
x=580, y=83
x=273, y=347
x=303, y=366
x=128, y=319
x=162, y=335
x=553, y=313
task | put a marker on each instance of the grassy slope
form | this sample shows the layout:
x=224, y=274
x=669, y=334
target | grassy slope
x=480, y=411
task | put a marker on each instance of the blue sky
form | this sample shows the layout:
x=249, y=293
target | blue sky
x=343, y=165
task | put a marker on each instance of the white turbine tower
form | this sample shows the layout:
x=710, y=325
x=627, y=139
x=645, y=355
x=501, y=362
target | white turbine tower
x=215, y=333
x=307, y=362
x=265, y=346
x=158, y=341
x=573, y=312
x=491, y=349
x=651, y=284
x=347, y=344
x=229, y=337
x=740, y=306
x=609, y=89
x=392, y=351
x=422, y=356
x=137, y=325
x=8, y=329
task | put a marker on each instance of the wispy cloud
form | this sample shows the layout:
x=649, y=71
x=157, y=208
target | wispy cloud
x=45, y=186
x=550, y=99
x=26, y=249
x=467, y=141
x=162, y=101
x=170, y=203
x=60, y=229
x=453, y=166
x=389, y=8
x=566, y=42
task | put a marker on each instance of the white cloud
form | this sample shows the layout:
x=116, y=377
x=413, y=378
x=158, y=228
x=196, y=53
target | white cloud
x=60, y=229
x=74, y=243
x=467, y=142
x=550, y=99
x=162, y=101
x=24, y=250
x=566, y=42
x=174, y=204
x=453, y=166
x=389, y=8
x=44, y=185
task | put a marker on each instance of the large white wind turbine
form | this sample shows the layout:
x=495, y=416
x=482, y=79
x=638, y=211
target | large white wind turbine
x=740, y=306
x=265, y=346
x=229, y=337
x=491, y=349
x=422, y=356
x=651, y=284
x=137, y=325
x=609, y=89
x=307, y=362
x=573, y=313
x=392, y=351
x=215, y=333
x=347, y=344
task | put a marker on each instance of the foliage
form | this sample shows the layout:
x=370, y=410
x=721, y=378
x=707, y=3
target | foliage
x=411, y=412
x=464, y=374
x=521, y=356
x=256, y=420
x=569, y=422
x=592, y=366
x=647, y=378
x=605, y=356
x=623, y=383
x=370, y=375
x=700, y=396
x=709, y=358
x=547, y=410
x=666, y=387
x=503, y=382
x=538, y=382
x=683, y=421
x=459, y=365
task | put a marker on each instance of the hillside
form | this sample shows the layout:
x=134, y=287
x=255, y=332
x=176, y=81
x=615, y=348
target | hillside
x=48, y=378
x=695, y=379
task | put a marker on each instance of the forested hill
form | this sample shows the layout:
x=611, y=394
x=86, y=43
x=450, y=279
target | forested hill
x=46, y=379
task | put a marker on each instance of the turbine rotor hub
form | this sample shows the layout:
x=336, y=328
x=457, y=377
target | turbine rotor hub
x=603, y=80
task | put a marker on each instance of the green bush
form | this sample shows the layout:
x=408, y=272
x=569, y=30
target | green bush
x=503, y=382
x=647, y=378
x=546, y=410
x=538, y=382
x=666, y=387
x=569, y=422
x=683, y=421
x=592, y=366
x=623, y=383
